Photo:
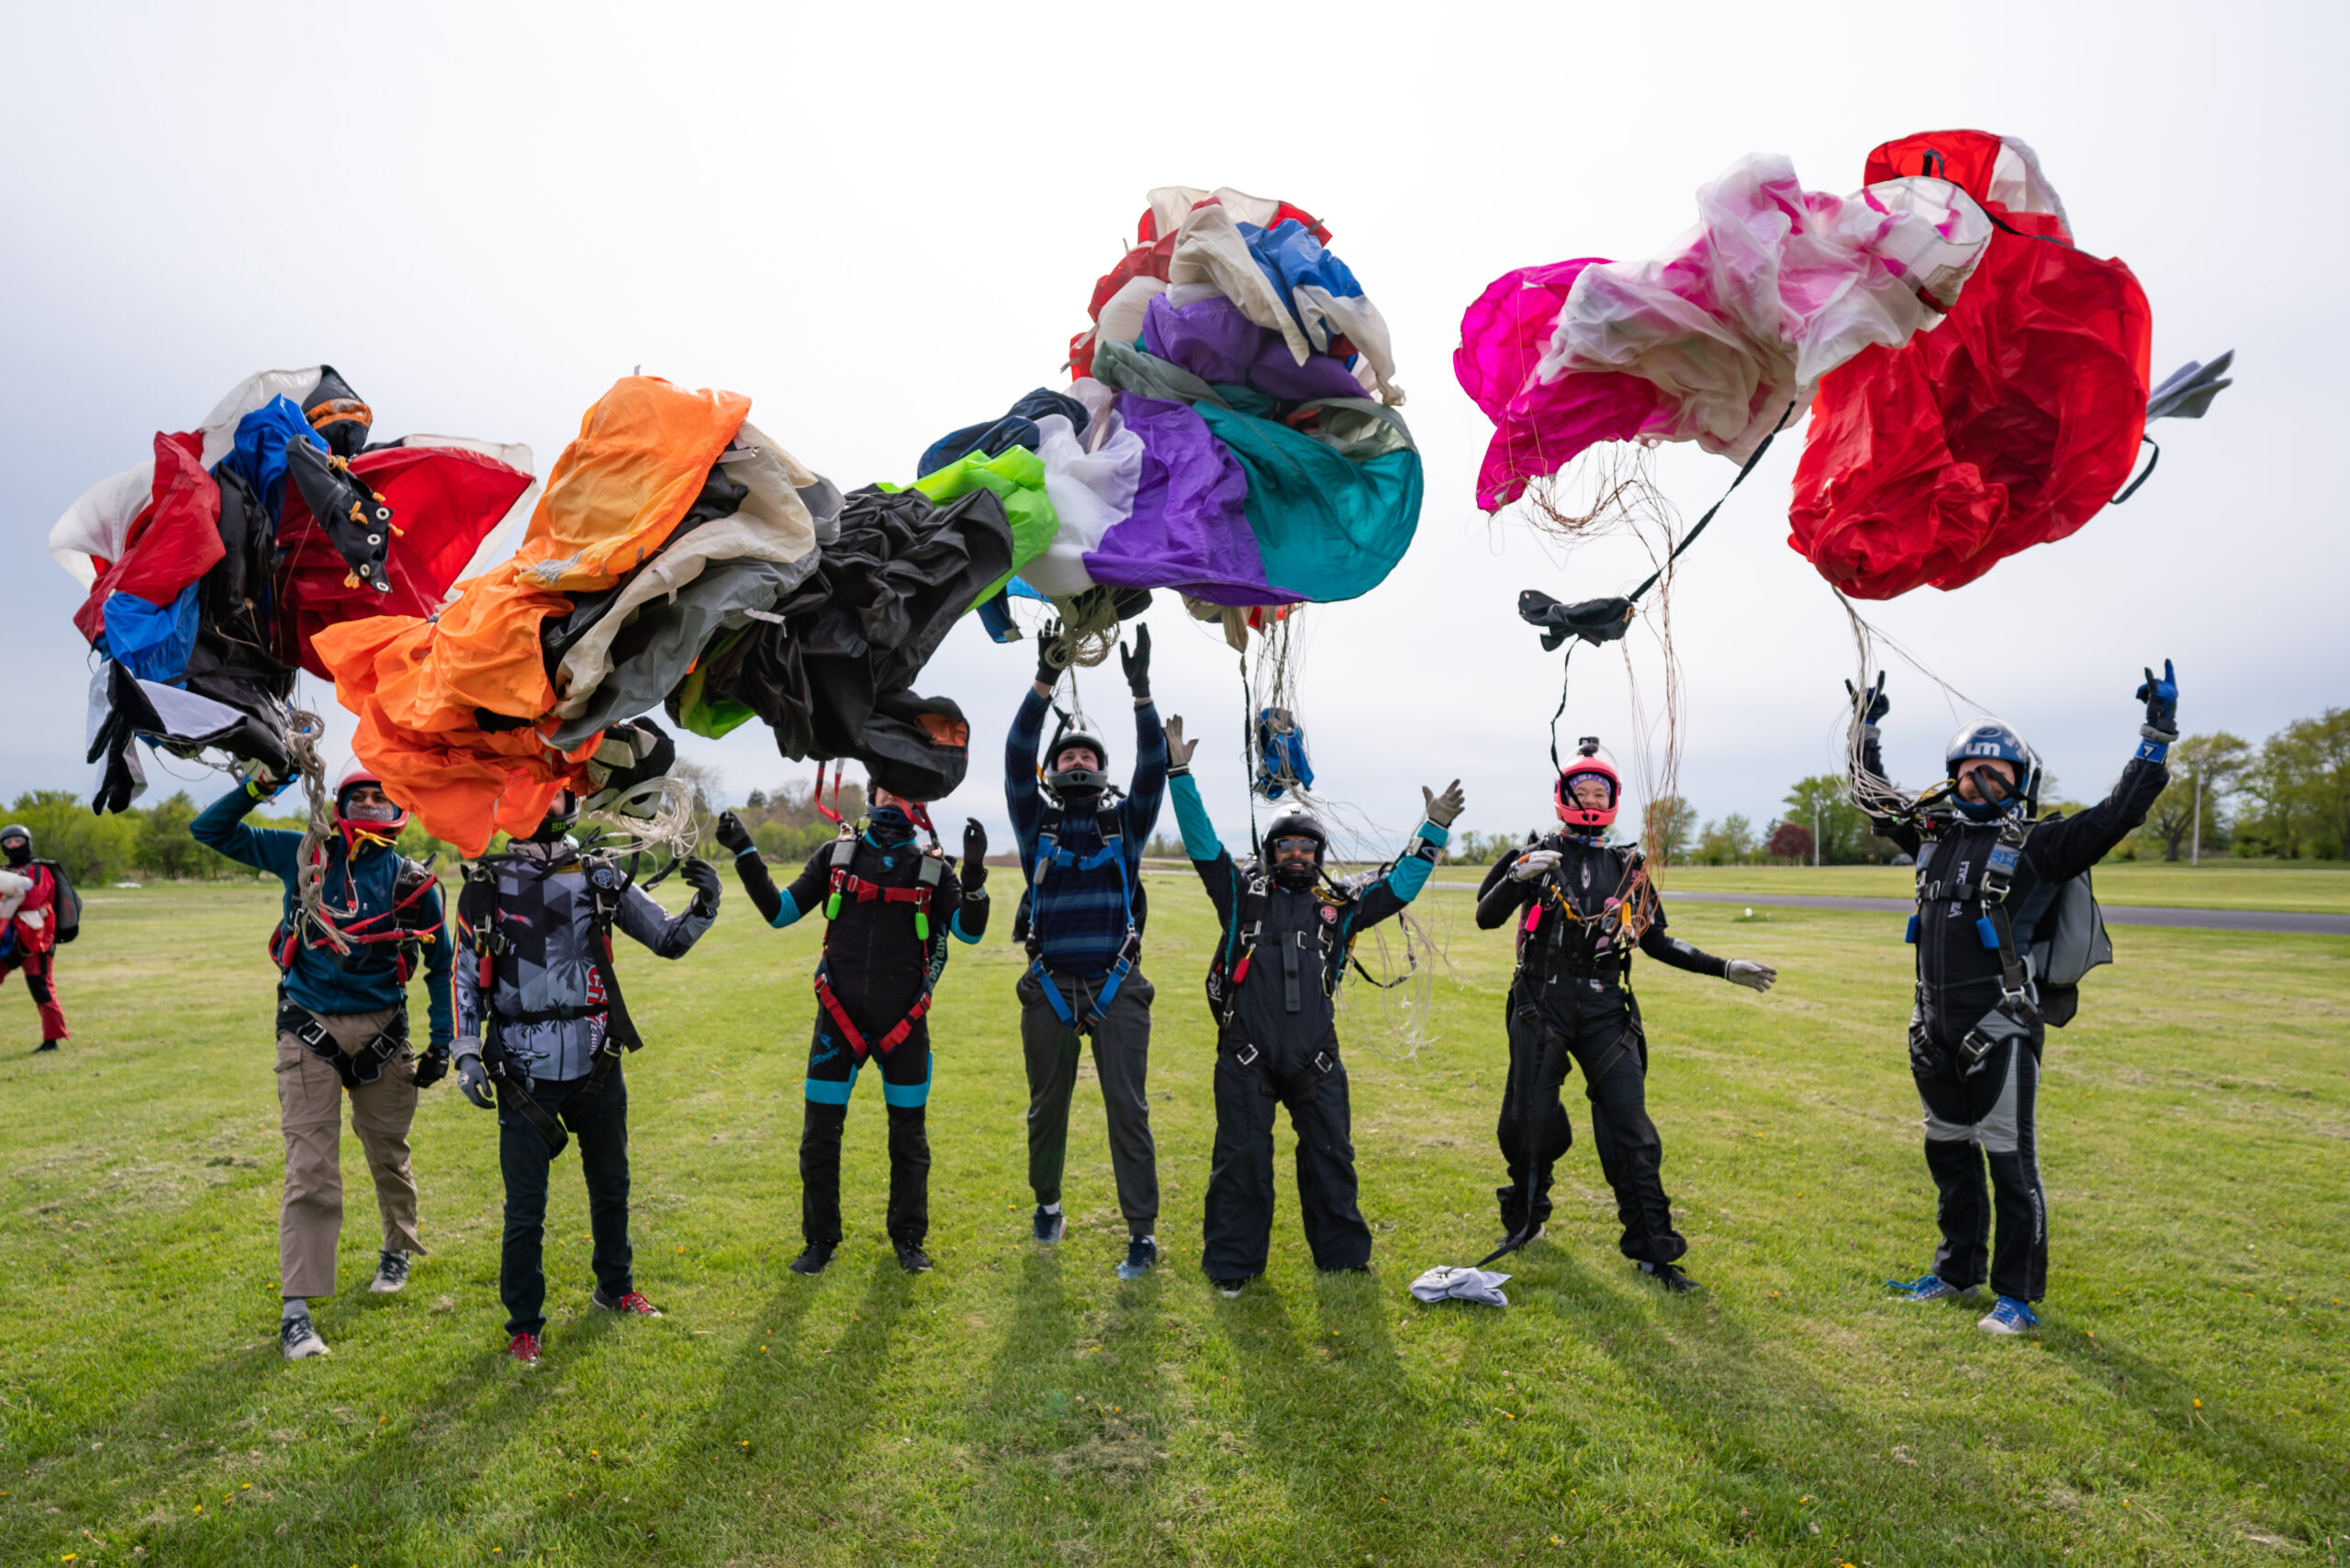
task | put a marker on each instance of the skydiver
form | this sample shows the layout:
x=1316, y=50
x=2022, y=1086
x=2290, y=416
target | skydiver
x=1586, y=904
x=540, y=1021
x=342, y=1026
x=1273, y=992
x=1987, y=876
x=1080, y=852
x=889, y=906
x=34, y=895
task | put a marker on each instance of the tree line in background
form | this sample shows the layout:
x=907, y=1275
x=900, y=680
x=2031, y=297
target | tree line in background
x=2288, y=797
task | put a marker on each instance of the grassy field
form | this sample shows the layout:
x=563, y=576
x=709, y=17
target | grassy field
x=2217, y=885
x=2184, y=1403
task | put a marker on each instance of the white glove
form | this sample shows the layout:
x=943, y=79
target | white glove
x=1753, y=976
x=1443, y=809
x=1179, y=750
x=1532, y=864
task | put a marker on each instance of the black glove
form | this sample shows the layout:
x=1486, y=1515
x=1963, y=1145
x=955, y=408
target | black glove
x=1872, y=704
x=732, y=835
x=975, y=854
x=702, y=878
x=1047, y=638
x=433, y=1066
x=2161, y=698
x=474, y=1079
x=1137, y=664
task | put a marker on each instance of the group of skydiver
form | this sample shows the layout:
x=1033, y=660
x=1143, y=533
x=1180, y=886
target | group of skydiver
x=527, y=1006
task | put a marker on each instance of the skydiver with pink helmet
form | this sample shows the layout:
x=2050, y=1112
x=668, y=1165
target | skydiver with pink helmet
x=1580, y=905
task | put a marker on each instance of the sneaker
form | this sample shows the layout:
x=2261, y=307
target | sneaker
x=913, y=1258
x=1670, y=1276
x=1142, y=1257
x=1541, y=1233
x=391, y=1272
x=45, y=1046
x=812, y=1260
x=1049, y=1226
x=1227, y=1288
x=1930, y=1287
x=524, y=1347
x=632, y=1303
x=2009, y=1317
x=298, y=1337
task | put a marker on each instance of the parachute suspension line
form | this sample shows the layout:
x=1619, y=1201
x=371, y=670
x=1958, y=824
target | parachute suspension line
x=1691, y=537
x=1864, y=787
x=1088, y=630
x=304, y=731
x=659, y=814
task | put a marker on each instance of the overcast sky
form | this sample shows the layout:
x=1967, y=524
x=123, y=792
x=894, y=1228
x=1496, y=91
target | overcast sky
x=882, y=222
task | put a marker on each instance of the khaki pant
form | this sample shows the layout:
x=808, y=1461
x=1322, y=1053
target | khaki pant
x=310, y=1106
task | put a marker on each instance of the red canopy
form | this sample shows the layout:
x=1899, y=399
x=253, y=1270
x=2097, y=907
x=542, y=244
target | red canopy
x=174, y=540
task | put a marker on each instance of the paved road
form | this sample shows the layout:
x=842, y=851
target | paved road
x=2115, y=913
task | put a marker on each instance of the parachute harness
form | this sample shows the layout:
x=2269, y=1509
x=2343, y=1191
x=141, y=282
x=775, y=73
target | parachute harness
x=303, y=730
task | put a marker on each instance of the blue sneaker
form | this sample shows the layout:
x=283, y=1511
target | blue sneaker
x=1048, y=1225
x=1929, y=1287
x=2009, y=1317
x=1142, y=1256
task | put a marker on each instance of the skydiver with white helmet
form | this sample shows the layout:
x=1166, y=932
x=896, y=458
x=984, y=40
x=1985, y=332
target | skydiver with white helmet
x=1082, y=917
x=2000, y=951
x=1272, y=988
x=1580, y=905
x=343, y=1025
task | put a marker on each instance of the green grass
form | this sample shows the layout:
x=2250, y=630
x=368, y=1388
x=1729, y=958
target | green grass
x=2215, y=885
x=2184, y=1405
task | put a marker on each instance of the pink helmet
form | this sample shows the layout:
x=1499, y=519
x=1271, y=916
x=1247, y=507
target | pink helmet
x=1590, y=761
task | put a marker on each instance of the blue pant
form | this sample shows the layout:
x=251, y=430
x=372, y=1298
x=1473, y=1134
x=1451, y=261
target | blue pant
x=598, y=1129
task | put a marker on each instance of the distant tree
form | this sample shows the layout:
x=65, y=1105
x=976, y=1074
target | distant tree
x=2220, y=762
x=1667, y=824
x=1843, y=829
x=1729, y=842
x=2299, y=789
x=1790, y=842
x=757, y=804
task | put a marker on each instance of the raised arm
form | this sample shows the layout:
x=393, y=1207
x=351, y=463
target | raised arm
x=1402, y=883
x=672, y=936
x=2066, y=848
x=1200, y=845
x=1020, y=749
x=221, y=826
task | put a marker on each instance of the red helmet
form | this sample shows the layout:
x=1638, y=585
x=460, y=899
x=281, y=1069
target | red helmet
x=1590, y=761
x=381, y=829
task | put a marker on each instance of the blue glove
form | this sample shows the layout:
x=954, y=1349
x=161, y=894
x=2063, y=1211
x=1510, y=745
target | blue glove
x=2161, y=728
x=1871, y=703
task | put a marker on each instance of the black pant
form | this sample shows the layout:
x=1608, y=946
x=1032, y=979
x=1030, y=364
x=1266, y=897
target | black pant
x=1987, y=1116
x=1599, y=1027
x=1241, y=1187
x=1121, y=1062
x=600, y=1132
x=833, y=1070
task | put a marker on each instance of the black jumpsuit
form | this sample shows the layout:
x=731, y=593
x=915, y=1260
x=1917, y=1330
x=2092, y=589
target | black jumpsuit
x=876, y=966
x=1992, y=1104
x=1568, y=1000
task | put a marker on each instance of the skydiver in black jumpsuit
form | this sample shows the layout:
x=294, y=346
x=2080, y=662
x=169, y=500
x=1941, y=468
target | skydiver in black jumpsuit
x=1590, y=903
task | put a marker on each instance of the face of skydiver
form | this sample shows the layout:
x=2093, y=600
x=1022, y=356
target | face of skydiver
x=368, y=803
x=891, y=816
x=1987, y=779
x=1591, y=792
x=1293, y=857
x=18, y=848
x=1077, y=757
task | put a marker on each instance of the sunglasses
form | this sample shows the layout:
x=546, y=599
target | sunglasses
x=1294, y=847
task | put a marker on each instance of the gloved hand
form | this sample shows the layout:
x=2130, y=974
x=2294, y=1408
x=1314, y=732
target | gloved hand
x=702, y=878
x=974, y=855
x=1442, y=810
x=261, y=784
x=471, y=1076
x=2161, y=698
x=433, y=1065
x=1179, y=750
x=1751, y=974
x=1137, y=664
x=1532, y=864
x=1870, y=704
x=1048, y=674
x=733, y=834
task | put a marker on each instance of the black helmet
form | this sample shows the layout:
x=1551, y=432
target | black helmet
x=563, y=815
x=1065, y=780
x=1295, y=824
x=1988, y=738
x=9, y=837
x=340, y=416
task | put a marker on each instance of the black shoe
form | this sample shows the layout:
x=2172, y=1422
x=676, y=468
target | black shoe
x=1670, y=1276
x=1540, y=1231
x=1142, y=1256
x=812, y=1260
x=1227, y=1288
x=1049, y=1226
x=913, y=1258
x=45, y=1046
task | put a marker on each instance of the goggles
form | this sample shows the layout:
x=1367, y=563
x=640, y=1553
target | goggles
x=1296, y=846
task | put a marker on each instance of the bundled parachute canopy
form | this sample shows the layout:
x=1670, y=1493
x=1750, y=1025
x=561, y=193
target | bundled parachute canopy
x=1715, y=339
x=1231, y=433
x=2009, y=425
x=211, y=567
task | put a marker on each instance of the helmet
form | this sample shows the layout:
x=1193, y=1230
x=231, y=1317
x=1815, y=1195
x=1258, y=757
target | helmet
x=1992, y=739
x=1591, y=760
x=1058, y=782
x=338, y=414
x=1295, y=824
x=18, y=830
x=563, y=815
x=376, y=830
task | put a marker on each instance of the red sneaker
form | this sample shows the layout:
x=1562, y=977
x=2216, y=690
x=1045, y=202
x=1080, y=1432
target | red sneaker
x=632, y=1301
x=524, y=1347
